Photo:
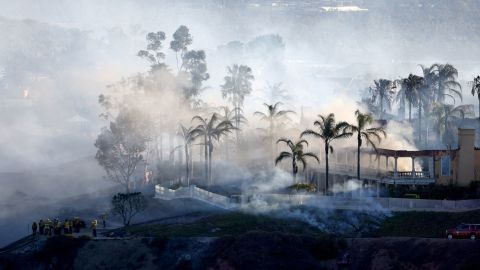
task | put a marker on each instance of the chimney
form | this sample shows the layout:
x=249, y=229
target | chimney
x=466, y=157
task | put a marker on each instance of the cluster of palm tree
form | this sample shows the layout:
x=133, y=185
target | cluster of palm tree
x=433, y=95
x=328, y=130
x=208, y=130
x=275, y=118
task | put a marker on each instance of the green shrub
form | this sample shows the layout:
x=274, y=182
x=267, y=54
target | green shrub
x=303, y=187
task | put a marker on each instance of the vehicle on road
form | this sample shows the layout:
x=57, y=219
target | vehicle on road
x=464, y=231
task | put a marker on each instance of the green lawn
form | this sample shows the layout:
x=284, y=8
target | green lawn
x=234, y=223
x=425, y=224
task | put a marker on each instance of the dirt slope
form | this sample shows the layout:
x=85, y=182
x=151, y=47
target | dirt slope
x=253, y=250
x=414, y=253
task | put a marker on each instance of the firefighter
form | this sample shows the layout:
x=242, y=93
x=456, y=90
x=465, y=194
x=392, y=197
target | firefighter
x=56, y=227
x=93, y=225
x=34, y=228
x=76, y=224
x=70, y=226
x=41, y=226
x=66, y=227
x=104, y=220
x=48, y=227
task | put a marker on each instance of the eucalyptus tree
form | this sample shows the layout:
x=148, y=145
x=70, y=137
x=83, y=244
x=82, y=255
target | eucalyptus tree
x=382, y=94
x=447, y=83
x=371, y=135
x=446, y=116
x=153, y=54
x=211, y=129
x=195, y=64
x=181, y=40
x=121, y=146
x=188, y=136
x=237, y=85
x=328, y=131
x=476, y=90
x=296, y=154
x=273, y=116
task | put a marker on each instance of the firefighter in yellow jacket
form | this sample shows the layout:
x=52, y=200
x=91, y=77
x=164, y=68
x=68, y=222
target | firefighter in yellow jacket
x=66, y=227
x=93, y=225
x=48, y=227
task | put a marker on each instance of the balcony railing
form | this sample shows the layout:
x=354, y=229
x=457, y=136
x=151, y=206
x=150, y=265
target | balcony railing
x=410, y=174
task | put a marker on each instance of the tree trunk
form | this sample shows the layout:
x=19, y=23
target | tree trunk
x=187, y=166
x=409, y=111
x=294, y=171
x=206, y=158
x=381, y=106
x=326, y=168
x=272, y=146
x=176, y=57
x=358, y=156
x=479, y=106
x=171, y=148
x=210, y=150
x=237, y=120
x=161, y=147
x=419, y=123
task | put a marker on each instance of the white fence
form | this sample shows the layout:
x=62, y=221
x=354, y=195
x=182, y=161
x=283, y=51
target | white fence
x=195, y=193
x=428, y=205
x=394, y=204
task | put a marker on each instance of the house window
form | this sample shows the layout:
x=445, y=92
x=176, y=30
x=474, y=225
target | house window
x=445, y=166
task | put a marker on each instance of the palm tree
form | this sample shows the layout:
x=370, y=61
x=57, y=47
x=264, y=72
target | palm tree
x=273, y=116
x=410, y=86
x=447, y=84
x=211, y=129
x=382, y=94
x=476, y=90
x=423, y=97
x=296, y=154
x=370, y=135
x=430, y=77
x=329, y=130
x=400, y=98
x=237, y=85
x=276, y=92
x=234, y=116
x=188, y=136
x=445, y=116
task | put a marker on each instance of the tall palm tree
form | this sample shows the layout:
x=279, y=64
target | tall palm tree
x=423, y=97
x=400, y=98
x=446, y=116
x=382, y=94
x=410, y=86
x=430, y=76
x=188, y=136
x=237, y=85
x=296, y=154
x=235, y=115
x=273, y=116
x=328, y=130
x=211, y=129
x=476, y=90
x=276, y=92
x=371, y=135
x=447, y=83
